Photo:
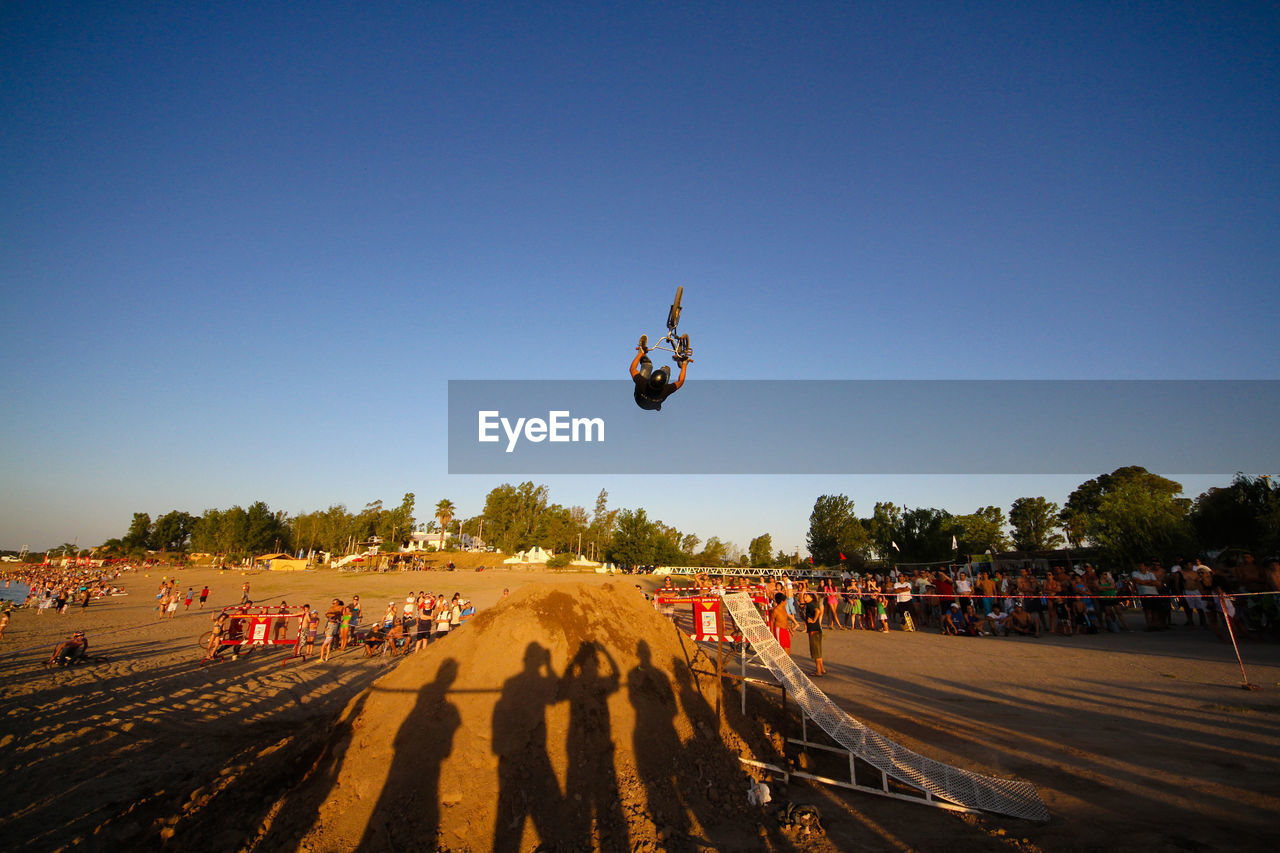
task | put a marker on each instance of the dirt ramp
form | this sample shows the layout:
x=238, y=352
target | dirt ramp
x=561, y=719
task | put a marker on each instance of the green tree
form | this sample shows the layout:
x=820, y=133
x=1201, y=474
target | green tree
x=1035, y=524
x=666, y=546
x=445, y=511
x=979, y=531
x=265, y=530
x=172, y=530
x=511, y=515
x=558, y=528
x=713, y=553
x=1136, y=522
x=139, y=536
x=599, y=532
x=760, y=549
x=925, y=535
x=1245, y=514
x=1079, y=515
x=394, y=526
x=834, y=529
x=633, y=541
x=885, y=528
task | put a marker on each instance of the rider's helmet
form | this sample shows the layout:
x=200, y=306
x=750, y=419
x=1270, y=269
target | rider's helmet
x=658, y=379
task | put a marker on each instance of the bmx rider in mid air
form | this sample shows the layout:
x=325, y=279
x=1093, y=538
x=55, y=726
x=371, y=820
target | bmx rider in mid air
x=655, y=386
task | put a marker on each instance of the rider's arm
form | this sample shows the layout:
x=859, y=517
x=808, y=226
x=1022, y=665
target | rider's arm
x=684, y=365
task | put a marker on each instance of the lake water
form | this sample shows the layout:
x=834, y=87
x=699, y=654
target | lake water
x=15, y=592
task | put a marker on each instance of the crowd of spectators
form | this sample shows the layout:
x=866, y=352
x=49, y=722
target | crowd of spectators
x=59, y=588
x=402, y=628
x=1065, y=600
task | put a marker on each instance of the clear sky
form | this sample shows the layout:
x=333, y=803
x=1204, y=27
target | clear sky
x=242, y=250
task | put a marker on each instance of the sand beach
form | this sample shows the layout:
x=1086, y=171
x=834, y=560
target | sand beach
x=1145, y=740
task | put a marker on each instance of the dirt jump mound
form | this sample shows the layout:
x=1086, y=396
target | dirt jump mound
x=561, y=719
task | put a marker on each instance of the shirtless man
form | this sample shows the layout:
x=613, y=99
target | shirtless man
x=71, y=650
x=987, y=589
x=1029, y=591
x=780, y=621
x=1192, y=583
x=1023, y=623
x=1249, y=575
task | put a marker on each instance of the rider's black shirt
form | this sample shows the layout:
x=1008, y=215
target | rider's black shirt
x=649, y=398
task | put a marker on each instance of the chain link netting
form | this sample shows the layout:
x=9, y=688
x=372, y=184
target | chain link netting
x=962, y=787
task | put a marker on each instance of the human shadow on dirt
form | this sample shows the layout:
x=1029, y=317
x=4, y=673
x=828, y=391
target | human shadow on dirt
x=527, y=784
x=424, y=741
x=591, y=784
x=656, y=742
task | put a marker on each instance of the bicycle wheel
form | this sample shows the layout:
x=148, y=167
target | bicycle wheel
x=203, y=642
x=673, y=316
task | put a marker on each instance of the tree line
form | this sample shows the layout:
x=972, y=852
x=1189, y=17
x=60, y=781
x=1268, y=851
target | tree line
x=1128, y=515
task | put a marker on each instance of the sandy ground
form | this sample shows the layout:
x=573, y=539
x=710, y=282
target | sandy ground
x=1145, y=740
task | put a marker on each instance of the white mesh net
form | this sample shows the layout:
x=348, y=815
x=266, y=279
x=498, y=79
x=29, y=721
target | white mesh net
x=962, y=787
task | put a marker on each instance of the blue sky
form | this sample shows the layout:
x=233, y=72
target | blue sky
x=243, y=250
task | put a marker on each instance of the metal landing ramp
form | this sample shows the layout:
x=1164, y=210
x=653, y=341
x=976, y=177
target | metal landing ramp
x=962, y=787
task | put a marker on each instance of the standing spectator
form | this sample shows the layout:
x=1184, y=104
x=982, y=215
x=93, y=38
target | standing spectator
x=946, y=591
x=333, y=619
x=311, y=627
x=831, y=601
x=987, y=589
x=902, y=604
x=1145, y=581
x=964, y=589
x=813, y=624
x=882, y=612
x=780, y=621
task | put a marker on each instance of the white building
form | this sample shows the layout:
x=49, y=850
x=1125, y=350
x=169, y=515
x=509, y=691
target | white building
x=429, y=541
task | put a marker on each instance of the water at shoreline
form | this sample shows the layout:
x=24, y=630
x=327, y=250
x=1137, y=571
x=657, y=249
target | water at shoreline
x=16, y=592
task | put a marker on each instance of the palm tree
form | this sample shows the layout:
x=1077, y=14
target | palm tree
x=444, y=514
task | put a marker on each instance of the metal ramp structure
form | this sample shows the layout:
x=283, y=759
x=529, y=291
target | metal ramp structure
x=935, y=780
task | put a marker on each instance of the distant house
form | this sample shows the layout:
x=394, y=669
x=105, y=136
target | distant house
x=428, y=542
x=281, y=562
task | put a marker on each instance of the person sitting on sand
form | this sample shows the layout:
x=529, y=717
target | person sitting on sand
x=1023, y=623
x=951, y=619
x=71, y=651
x=374, y=640
x=994, y=624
